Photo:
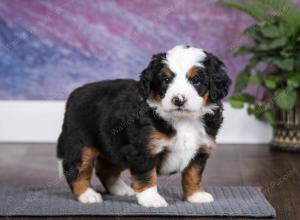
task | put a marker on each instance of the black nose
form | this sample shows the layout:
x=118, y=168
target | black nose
x=178, y=101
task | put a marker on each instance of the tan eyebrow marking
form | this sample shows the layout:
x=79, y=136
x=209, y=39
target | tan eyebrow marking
x=192, y=72
x=167, y=72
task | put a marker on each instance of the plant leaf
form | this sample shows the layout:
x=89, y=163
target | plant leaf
x=269, y=116
x=285, y=98
x=270, y=45
x=256, y=78
x=241, y=50
x=247, y=98
x=253, y=32
x=256, y=110
x=297, y=61
x=271, y=82
x=238, y=101
x=248, y=7
x=261, y=112
x=293, y=80
x=270, y=31
x=242, y=81
x=285, y=64
x=285, y=10
x=253, y=62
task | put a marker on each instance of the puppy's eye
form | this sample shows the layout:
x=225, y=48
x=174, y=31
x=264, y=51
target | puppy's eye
x=166, y=79
x=195, y=80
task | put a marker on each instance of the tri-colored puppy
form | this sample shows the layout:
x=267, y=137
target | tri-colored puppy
x=164, y=123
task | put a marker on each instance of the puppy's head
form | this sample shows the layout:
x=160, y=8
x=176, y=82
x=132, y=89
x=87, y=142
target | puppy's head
x=181, y=82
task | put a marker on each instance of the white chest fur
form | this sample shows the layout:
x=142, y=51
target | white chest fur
x=190, y=135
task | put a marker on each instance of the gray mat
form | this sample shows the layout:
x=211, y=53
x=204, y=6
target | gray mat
x=58, y=201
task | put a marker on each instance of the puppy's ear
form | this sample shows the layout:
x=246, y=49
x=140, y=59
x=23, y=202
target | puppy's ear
x=147, y=75
x=219, y=82
x=145, y=83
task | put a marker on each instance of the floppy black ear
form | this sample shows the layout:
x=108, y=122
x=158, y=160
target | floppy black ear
x=147, y=75
x=219, y=82
x=144, y=83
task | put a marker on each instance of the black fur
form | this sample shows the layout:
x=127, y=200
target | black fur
x=200, y=159
x=214, y=122
x=113, y=117
x=151, y=77
x=219, y=82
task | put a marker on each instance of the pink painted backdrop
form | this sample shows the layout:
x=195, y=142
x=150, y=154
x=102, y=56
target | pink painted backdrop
x=48, y=48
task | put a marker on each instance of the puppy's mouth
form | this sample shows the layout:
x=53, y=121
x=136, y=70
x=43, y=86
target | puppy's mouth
x=180, y=109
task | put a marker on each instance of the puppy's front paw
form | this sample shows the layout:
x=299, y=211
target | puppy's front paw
x=200, y=197
x=90, y=196
x=151, y=198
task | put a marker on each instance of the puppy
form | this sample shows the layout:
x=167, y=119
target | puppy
x=164, y=123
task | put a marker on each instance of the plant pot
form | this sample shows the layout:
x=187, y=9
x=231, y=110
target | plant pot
x=286, y=133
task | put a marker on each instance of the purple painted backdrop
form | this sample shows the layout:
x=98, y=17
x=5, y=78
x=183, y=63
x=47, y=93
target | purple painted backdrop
x=48, y=48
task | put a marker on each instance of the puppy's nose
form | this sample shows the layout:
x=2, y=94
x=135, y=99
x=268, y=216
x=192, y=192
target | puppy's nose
x=178, y=100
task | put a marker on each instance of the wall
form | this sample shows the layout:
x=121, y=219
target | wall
x=48, y=48
x=40, y=121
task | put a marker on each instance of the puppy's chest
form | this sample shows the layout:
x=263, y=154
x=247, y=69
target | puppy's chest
x=182, y=147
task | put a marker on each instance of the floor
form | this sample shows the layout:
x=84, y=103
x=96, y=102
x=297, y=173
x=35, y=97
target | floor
x=256, y=165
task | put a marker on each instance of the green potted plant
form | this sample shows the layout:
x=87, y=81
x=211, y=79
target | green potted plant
x=273, y=70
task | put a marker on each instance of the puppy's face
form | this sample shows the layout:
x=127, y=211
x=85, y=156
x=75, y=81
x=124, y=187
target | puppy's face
x=180, y=83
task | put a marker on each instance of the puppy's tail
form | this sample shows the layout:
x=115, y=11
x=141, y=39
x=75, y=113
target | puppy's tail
x=60, y=147
x=60, y=168
x=60, y=155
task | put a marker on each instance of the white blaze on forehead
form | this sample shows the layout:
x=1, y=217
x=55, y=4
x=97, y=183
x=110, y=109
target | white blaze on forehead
x=181, y=59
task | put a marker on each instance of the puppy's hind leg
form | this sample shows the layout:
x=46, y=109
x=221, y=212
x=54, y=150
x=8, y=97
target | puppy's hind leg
x=109, y=175
x=79, y=176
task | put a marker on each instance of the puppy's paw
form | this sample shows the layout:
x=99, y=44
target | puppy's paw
x=200, y=197
x=119, y=188
x=90, y=196
x=151, y=198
